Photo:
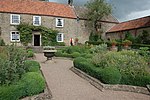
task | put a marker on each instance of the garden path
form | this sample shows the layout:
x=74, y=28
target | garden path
x=66, y=85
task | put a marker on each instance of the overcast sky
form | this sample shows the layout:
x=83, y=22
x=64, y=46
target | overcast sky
x=123, y=10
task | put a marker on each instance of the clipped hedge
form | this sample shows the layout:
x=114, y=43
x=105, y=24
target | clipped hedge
x=32, y=66
x=87, y=67
x=110, y=75
x=31, y=83
x=137, y=46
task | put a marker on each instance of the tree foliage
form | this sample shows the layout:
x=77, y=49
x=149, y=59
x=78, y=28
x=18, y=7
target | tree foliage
x=97, y=9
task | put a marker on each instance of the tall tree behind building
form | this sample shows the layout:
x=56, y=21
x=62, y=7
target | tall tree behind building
x=97, y=9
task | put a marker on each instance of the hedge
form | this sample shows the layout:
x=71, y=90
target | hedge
x=32, y=66
x=31, y=83
x=110, y=75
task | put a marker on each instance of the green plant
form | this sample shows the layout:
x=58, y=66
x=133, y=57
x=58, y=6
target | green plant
x=113, y=42
x=129, y=36
x=2, y=43
x=144, y=51
x=75, y=54
x=33, y=83
x=143, y=38
x=48, y=35
x=30, y=53
x=11, y=92
x=32, y=66
x=99, y=49
x=127, y=42
x=12, y=68
x=110, y=75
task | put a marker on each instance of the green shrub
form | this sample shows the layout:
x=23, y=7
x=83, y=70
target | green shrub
x=59, y=53
x=12, y=67
x=135, y=80
x=78, y=60
x=87, y=67
x=33, y=83
x=99, y=49
x=30, y=53
x=32, y=66
x=2, y=43
x=75, y=54
x=11, y=92
x=111, y=75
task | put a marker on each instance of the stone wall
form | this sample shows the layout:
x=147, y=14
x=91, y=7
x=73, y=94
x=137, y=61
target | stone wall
x=99, y=85
x=72, y=27
x=117, y=35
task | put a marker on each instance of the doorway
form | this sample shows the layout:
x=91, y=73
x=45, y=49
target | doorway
x=37, y=40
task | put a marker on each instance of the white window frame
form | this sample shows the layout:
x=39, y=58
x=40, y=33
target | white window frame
x=39, y=20
x=11, y=37
x=11, y=19
x=62, y=37
x=62, y=21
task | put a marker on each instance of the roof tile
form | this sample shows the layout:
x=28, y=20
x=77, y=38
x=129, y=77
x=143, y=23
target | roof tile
x=133, y=24
x=37, y=7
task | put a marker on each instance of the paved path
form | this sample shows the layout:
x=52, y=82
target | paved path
x=65, y=85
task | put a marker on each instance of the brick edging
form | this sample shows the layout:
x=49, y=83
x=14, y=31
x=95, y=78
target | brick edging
x=101, y=86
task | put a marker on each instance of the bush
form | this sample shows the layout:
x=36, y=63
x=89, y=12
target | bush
x=75, y=54
x=30, y=53
x=31, y=83
x=59, y=53
x=12, y=67
x=129, y=63
x=32, y=66
x=87, y=67
x=99, y=49
x=11, y=92
x=111, y=75
x=2, y=43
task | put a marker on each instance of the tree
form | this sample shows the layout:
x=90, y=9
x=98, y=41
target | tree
x=97, y=9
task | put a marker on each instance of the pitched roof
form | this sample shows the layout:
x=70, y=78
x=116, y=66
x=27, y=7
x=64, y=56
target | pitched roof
x=132, y=24
x=37, y=8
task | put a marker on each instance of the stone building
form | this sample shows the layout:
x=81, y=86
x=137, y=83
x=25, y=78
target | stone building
x=61, y=17
x=135, y=27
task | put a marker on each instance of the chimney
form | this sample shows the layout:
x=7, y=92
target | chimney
x=70, y=2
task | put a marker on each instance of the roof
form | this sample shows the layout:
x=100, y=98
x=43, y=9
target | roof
x=37, y=8
x=132, y=24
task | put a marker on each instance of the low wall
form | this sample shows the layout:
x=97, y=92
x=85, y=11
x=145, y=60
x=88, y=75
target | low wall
x=99, y=85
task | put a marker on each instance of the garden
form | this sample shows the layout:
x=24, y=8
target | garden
x=19, y=77
x=125, y=66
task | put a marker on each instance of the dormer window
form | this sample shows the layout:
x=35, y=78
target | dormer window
x=59, y=22
x=36, y=20
x=14, y=19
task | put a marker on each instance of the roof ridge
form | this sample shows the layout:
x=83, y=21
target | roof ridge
x=135, y=19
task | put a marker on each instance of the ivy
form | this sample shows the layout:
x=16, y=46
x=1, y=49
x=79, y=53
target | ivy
x=48, y=34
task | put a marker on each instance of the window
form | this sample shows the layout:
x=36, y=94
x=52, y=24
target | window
x=14, y=19
x=60, y=37
x=15, y=36
x=59, y=22
x=36, y=20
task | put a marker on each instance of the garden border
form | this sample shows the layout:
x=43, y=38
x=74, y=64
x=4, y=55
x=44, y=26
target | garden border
x=101, y=86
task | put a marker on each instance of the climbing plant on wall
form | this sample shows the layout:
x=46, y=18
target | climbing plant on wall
x=48, y=34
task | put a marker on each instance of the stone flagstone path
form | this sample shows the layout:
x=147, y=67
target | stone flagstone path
x=66, y=85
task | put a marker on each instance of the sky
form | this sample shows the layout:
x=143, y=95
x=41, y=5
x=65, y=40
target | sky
x=123, y=10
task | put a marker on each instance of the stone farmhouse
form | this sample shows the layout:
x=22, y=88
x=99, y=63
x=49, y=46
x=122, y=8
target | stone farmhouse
x=135, y=27
x=62, y=17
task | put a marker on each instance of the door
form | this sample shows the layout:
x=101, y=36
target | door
x=36, y=40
